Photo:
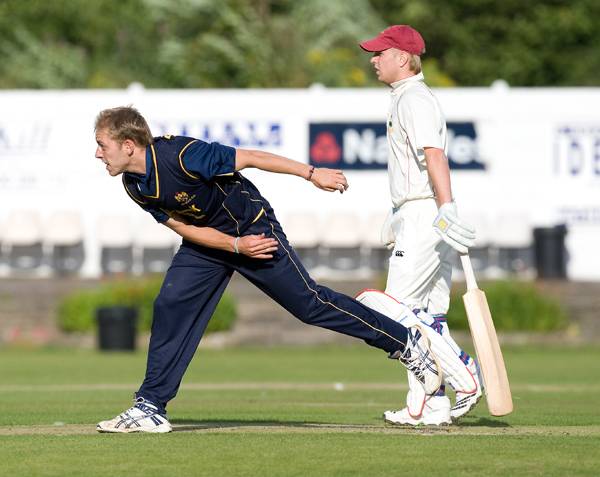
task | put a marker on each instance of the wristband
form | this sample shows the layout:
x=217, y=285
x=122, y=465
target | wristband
x=235, y=245
x=310, y=173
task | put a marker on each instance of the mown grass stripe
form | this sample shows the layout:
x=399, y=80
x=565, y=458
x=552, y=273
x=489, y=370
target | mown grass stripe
x=276, y=386
x=310, y=428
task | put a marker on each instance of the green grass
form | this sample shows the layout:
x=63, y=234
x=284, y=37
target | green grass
x=271, y=412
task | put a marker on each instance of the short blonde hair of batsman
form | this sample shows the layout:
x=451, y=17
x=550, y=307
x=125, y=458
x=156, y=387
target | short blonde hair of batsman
x=415, y=64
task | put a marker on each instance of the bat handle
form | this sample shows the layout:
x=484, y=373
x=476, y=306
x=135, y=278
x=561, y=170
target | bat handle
x=468, y=269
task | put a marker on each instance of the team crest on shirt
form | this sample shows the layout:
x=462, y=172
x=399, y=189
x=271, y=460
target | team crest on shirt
x=183, y=198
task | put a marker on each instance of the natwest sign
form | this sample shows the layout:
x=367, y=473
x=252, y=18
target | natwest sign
x=364, y=146
x=348, y=145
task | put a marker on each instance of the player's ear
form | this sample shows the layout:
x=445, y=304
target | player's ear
x=129, y=146
x=403, y=57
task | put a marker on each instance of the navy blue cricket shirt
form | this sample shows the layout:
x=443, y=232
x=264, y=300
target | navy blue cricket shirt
x=194, y=181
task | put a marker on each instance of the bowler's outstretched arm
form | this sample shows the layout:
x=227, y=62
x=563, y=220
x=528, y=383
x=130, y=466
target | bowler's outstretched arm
x=323, y=178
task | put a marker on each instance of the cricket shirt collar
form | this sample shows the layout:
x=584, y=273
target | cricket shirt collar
x=147, y=183
x=397, y=86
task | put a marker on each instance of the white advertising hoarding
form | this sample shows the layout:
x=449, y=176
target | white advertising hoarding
x=537, y=152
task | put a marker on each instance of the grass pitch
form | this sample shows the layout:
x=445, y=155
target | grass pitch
x=292, y=411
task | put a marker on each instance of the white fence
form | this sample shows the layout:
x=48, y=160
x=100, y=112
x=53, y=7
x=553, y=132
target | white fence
x=535, y=152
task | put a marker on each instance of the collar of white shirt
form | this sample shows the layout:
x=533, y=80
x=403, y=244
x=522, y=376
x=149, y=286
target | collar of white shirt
x=397, y=86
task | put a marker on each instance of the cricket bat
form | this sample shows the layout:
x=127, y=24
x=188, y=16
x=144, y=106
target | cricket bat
x=489, y=355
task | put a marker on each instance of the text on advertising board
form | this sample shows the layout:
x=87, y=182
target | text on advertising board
x=364, y=146
x=577, y=151
x=259, y=134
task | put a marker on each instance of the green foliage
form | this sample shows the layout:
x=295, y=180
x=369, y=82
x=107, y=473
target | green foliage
x=76, y=312
x=540, y=43
x=184, y=43
x=286, y=43
x=515, y=306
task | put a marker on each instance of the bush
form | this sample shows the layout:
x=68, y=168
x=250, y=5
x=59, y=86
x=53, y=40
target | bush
x=77, y=311
x=515, y=306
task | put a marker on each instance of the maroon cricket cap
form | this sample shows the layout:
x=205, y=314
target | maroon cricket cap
x=402, y=37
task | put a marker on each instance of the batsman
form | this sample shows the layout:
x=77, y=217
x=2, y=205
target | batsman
x=422, y=227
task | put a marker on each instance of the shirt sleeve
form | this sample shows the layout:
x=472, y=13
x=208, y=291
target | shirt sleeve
x=422, y=123
x=159, y=215
x=207, y=160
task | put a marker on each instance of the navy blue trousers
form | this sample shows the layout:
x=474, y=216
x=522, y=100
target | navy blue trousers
x=198, y=277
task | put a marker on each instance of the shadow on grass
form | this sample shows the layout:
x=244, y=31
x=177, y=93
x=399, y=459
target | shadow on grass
x=182, y=425
x=482, y=422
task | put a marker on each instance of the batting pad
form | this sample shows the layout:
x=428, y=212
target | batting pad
x=454, y=370
x=388, y=306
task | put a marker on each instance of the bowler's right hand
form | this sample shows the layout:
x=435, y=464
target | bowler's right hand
x=330, y=180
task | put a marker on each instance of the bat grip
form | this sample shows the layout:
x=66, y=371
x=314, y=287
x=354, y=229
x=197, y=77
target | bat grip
x=469, y=274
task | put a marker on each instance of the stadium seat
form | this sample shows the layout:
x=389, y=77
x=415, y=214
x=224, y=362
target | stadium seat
x=2, y=254
x=63, y=234
x=376, y=255
x=23, y=240
x=302, y=230
x=341, y=242
x=116, y=244
x=4, y=269
x=156, y=244
x=513, y=241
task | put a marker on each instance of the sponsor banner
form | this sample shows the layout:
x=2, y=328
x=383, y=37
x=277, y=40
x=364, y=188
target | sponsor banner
x=577, y=151
x=19, y=139
x=579, y=215
x=364, y=146
x=263, y=134
x=463, y=151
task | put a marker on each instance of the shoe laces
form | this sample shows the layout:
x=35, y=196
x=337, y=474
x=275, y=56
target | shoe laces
x=147, y=407
x=412, y=358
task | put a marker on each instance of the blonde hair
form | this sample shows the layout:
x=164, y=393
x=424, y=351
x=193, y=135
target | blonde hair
x=124, y=122
x=415, y=64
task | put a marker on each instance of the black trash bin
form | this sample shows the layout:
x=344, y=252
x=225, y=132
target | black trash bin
x=550, y=251
x=117, y=327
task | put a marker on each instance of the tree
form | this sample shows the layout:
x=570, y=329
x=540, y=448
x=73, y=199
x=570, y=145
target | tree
x=286, y=43
x=537, y=43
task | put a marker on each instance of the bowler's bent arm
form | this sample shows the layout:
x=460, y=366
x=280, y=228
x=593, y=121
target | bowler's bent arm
x=255, y=246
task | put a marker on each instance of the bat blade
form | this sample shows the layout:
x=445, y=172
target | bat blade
x=489, y=355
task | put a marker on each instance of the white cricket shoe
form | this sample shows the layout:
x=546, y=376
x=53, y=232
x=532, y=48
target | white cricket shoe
x=142, y=417
x=436, y=412
x=420, y=361
x=467, y=401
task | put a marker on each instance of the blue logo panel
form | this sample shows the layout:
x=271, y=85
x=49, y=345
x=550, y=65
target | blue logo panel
x=363, y=146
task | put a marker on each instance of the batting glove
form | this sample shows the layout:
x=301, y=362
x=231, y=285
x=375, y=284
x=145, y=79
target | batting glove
x=388, y=237
x=455, y=233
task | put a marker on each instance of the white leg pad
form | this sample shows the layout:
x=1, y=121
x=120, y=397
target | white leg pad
x=388, y=306
x=416, y=397
x=454, y=370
